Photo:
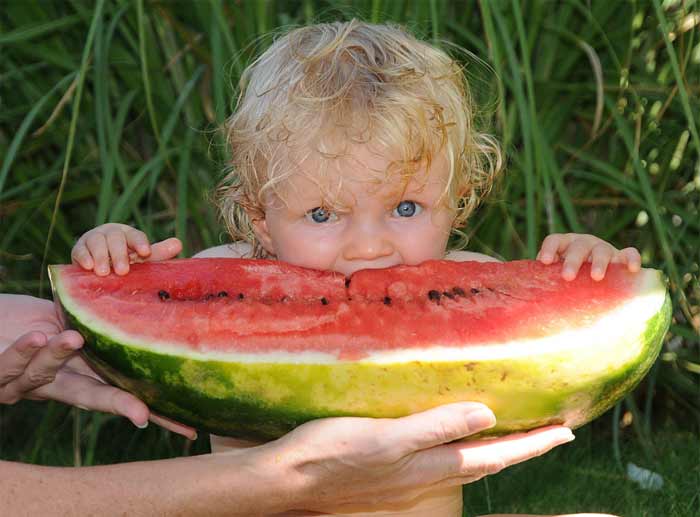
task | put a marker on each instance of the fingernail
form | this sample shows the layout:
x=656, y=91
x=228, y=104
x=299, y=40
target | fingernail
x=142, y=426
x=480, y=419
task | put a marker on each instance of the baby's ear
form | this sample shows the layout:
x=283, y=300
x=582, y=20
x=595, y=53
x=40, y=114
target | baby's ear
x=262, y=234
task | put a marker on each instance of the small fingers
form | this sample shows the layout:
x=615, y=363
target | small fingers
x=601, y=255
x=631, y=257
x=138, y=241
x=119, y=256
x=552, y=246
x=81, y=256
x=166, y=249
x=96, y=244
x=576, y=253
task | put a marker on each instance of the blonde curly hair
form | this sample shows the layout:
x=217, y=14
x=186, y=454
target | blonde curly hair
x=356, y=83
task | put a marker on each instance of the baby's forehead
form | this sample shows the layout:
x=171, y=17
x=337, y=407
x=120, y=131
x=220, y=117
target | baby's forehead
x=335, y=179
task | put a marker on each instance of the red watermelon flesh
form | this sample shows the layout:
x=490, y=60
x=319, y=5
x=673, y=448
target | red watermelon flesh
x=257, y=306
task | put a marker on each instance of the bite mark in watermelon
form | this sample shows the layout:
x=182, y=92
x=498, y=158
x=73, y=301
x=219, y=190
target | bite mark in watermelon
x=253, y=348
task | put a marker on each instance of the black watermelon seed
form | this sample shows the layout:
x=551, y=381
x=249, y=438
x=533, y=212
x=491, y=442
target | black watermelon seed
x=241, y=296
x=347, y=283
x=434, y=295
x=448, y=295
x=387, y=300
x=209, y=296
x=458, y=291
x=474, y=290
x=222, y=294
x=163, y=295
x=324, y=301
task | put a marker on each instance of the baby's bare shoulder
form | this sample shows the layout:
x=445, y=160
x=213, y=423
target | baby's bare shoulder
x=234, y=250
x=464, y=256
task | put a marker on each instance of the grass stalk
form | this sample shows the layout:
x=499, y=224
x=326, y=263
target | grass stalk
x=71, y=134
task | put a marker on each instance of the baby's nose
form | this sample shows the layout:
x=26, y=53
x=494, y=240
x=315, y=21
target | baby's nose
x=368, y=244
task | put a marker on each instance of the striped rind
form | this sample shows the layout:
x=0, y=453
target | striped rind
x=570, y=378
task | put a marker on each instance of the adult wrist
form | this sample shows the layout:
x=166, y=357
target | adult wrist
x=259, y=480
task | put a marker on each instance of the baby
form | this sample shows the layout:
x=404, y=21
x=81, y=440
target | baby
x=353, y=147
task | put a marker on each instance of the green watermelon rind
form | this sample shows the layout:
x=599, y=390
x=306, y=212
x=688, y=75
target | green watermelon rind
x=266, y=400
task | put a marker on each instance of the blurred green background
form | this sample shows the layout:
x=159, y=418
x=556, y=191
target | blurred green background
x=109, y=112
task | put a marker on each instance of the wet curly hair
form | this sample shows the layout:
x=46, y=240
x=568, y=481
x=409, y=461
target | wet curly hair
x=319, y=89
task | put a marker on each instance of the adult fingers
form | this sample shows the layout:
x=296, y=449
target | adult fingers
x=97, y=246
x=14, y=359
x=436, y=426
x=79, y=385
x=116, y=244
x=45, y=364
x=77, y=364
x=172, y=425
x=464, y=462
x=91, y=394
x=166, y=249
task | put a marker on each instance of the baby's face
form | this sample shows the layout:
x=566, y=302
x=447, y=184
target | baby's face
x=379, y=225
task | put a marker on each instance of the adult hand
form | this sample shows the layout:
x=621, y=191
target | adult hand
x=43, y=365
x=332, y=464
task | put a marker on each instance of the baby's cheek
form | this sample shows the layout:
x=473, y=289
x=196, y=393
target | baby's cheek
x=423, y=242
x=314, y=250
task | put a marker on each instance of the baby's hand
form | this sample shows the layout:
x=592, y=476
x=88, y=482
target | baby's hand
x=118, y=245
x=576, y=248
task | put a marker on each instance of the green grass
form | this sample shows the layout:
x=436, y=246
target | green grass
x=109, y=111
x=583, y=477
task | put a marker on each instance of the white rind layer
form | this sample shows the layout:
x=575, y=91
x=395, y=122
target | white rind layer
x=626, y=323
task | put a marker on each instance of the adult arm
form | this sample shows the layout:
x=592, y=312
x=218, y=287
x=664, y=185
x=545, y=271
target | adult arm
x=323, y=464
x=199, y=485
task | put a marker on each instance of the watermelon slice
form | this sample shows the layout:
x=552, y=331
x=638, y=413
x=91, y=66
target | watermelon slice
x=253, y=348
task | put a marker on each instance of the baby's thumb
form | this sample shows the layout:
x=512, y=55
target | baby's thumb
x=165, y=250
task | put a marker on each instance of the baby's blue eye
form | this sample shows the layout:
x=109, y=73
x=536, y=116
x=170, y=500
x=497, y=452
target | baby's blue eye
x=407, y=209
x=320, y=215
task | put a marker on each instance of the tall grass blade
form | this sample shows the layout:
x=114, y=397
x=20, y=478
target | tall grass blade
x=682, y=90
x=24, y=128
x=71, y=134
